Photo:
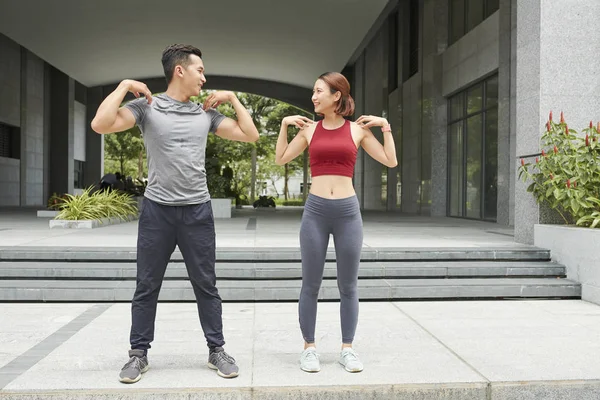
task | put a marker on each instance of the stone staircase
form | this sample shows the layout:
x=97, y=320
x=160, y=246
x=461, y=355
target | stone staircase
x=274, y=274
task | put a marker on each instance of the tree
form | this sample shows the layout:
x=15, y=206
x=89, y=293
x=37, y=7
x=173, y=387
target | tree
x=273, y=125
x=125, y=148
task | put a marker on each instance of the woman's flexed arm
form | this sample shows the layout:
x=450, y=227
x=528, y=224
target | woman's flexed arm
x=284, y=152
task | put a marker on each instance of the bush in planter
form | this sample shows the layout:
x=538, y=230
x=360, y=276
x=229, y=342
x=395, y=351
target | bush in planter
x=97, y=205
x=567, y=174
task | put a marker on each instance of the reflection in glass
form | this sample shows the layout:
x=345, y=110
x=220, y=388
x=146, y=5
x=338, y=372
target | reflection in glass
x=491, y=165
x=457, y=20
x=491, y=92
x=474, y=13
x=456, y=169
x=492, y=7
x=473, y=171
x=457, y=104
x=475, y=99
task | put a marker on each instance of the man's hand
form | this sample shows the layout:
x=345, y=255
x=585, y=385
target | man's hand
x=216, y=98
x=138, y=88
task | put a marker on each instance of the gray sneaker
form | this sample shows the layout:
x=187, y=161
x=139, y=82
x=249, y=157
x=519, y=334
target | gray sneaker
x=219, y=360
x=135, y=367
x=309, y=360
x=349, y=359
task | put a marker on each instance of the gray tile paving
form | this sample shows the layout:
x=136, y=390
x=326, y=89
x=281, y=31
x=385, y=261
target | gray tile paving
x=422, y=350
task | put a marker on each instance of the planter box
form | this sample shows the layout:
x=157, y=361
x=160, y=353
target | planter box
x=47, y=213
x=222, y=207
x=577, y=249
x=87, y=224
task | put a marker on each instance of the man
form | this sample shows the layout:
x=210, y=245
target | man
x=177, y=208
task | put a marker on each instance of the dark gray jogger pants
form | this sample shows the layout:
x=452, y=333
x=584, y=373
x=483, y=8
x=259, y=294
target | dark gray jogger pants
x=342, y=219
x=161, y=228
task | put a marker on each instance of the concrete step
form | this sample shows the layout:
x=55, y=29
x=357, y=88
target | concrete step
x=257, y=254
x=284, y=270
x=478, y=390
x=289, y=290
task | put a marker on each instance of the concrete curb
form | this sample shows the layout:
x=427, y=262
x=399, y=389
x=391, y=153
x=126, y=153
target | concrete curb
x=89, y=223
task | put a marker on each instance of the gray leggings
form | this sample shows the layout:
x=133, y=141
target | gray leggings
x=340, y=218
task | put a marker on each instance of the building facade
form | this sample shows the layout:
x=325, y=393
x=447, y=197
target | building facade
x=466, y=84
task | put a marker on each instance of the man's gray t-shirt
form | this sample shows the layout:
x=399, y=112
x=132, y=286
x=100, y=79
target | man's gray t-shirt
x=175, y=135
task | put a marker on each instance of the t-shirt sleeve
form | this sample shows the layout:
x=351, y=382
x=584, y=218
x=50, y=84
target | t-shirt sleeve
x=138, y=108
x=215, y=119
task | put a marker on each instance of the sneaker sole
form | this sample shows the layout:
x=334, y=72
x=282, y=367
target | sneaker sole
x=137, y=378
x=312, y=371
x=353, y=371
x=222, y=375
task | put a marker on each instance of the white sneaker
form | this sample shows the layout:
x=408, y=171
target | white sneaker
x=309, y=360
x=349, y=359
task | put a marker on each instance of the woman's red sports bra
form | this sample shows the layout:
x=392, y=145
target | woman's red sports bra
x=332, y=151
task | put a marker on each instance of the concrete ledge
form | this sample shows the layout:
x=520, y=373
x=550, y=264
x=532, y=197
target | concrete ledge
x=222, y=207
x=289, y=290
x=283, y=270
x=577, y=249
x=474, y=391
x=47, y=213
x=88, y=224
x=276, y=253
x=550, y=390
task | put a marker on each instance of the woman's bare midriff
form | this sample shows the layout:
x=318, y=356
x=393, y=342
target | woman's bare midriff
x=332, y=186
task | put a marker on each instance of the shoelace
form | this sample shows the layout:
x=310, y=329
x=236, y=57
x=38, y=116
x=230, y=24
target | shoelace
x=311, y=355
x=222, y=356
x=351, y=355
x=134, y=360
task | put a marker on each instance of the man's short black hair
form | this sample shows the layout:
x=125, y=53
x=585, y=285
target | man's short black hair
x=177, y=54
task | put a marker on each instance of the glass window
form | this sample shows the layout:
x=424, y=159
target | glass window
x=456, y=169
x=490, y=182
x=491, y=92
x=10, y=141
x=475, y=99
x=384, y=187
x=457, y=19
x=467, y=14
x=492, y=7
x=474, y=13
x=393, y=52
x=473, y=152
x=473, y=167
x=78, y=174
x=457, y=107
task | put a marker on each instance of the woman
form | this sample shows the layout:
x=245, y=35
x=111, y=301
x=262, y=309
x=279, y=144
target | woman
x=332, y=206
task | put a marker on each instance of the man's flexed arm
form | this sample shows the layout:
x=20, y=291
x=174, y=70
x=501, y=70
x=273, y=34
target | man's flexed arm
x=242, y=130
x=109, y=117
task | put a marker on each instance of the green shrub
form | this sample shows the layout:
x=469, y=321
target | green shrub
x=566, y=176
x=97, y=205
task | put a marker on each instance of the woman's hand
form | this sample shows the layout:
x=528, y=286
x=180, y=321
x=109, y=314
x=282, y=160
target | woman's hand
x=368, y=121
x=297, y=121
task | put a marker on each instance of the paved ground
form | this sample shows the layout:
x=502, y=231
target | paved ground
x=496, y=350
x=279, y=228
x=424, y=345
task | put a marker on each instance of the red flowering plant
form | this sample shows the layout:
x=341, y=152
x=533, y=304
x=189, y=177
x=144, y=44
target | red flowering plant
x=56, y=202
x=566, y=175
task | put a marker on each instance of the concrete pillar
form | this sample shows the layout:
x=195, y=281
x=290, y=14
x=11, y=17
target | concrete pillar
x=505, y=118
x=435, y=110
x=94, y=147
x=61, y=132
x=557, y=51
x=32, y=130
